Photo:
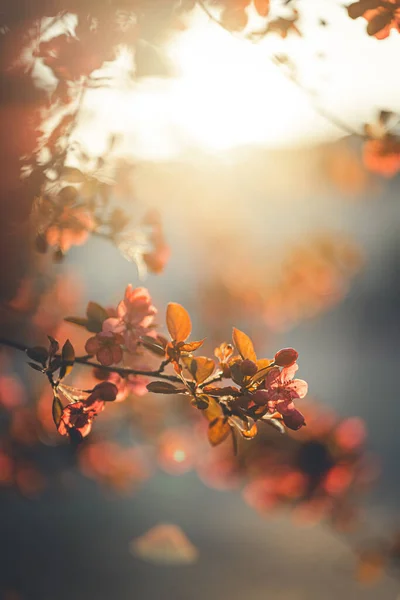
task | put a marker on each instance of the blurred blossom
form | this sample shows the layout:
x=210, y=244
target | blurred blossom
x=12, y=391
x=72, y=228
x=111, y=465
x=177, y=451
x=165, y=544
x=308, y=279
x=343, y=168
x=316, y=475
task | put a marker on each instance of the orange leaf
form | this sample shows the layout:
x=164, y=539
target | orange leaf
x=213, y=411
x=200, y=368
x=218, y=431
x=204, y=368
x=191, y=346
x=244, y=345
x=262, y=363
x=178, y=322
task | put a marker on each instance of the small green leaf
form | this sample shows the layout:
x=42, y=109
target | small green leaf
x=152, y=345
x=54, y=346
x=68, y=357
x=68, y=352
x=57, y=410
x=35, y=366
x=163, y=387
x=95, y=312
x=38, y=354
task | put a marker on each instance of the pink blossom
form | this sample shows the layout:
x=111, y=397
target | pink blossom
x=135, y=315
x=106, y=346
x=76, y=420
x=282, y=389
x=132, y=384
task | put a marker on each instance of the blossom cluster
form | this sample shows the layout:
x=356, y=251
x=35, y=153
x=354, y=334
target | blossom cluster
x=259, y=389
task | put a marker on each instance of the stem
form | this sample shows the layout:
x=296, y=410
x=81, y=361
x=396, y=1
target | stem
x=83, y=360
x=15, y=345
x=124, y=372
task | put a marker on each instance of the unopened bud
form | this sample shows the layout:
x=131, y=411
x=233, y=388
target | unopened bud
x=286, y=357
x=248, y=367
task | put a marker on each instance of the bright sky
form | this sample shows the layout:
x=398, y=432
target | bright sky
x=228, y=94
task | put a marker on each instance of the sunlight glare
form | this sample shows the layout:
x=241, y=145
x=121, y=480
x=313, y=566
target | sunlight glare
x=226, y=90
x=226, y=93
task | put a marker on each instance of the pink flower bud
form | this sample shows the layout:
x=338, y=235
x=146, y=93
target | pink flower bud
x=286, y=357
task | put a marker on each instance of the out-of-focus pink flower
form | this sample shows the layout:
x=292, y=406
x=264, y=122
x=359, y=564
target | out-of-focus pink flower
x=282, y=389
x=350, y=434
x=71, y=229
x=106, y=346
x=260, y=494
x=382, y=155
x=137, y=385
x=158, y=257
x=135, y=315
x=338, y=479
x=115, y=466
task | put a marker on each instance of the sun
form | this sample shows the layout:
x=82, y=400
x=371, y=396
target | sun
x=225, y=93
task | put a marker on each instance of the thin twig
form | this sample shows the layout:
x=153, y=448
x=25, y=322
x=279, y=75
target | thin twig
x=15, y=345
x=84, y=360
x=124, y=372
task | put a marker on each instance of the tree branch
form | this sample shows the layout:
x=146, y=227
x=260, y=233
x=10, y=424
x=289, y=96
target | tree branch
x=124, y=372
x=84, y=360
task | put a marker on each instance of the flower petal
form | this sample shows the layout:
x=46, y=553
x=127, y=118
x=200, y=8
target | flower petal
x=272, y=378
x=114, y=325
x=105, y=356
x=116, y=354
x=93, y=345
x=297, y=388
x=288, y=373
